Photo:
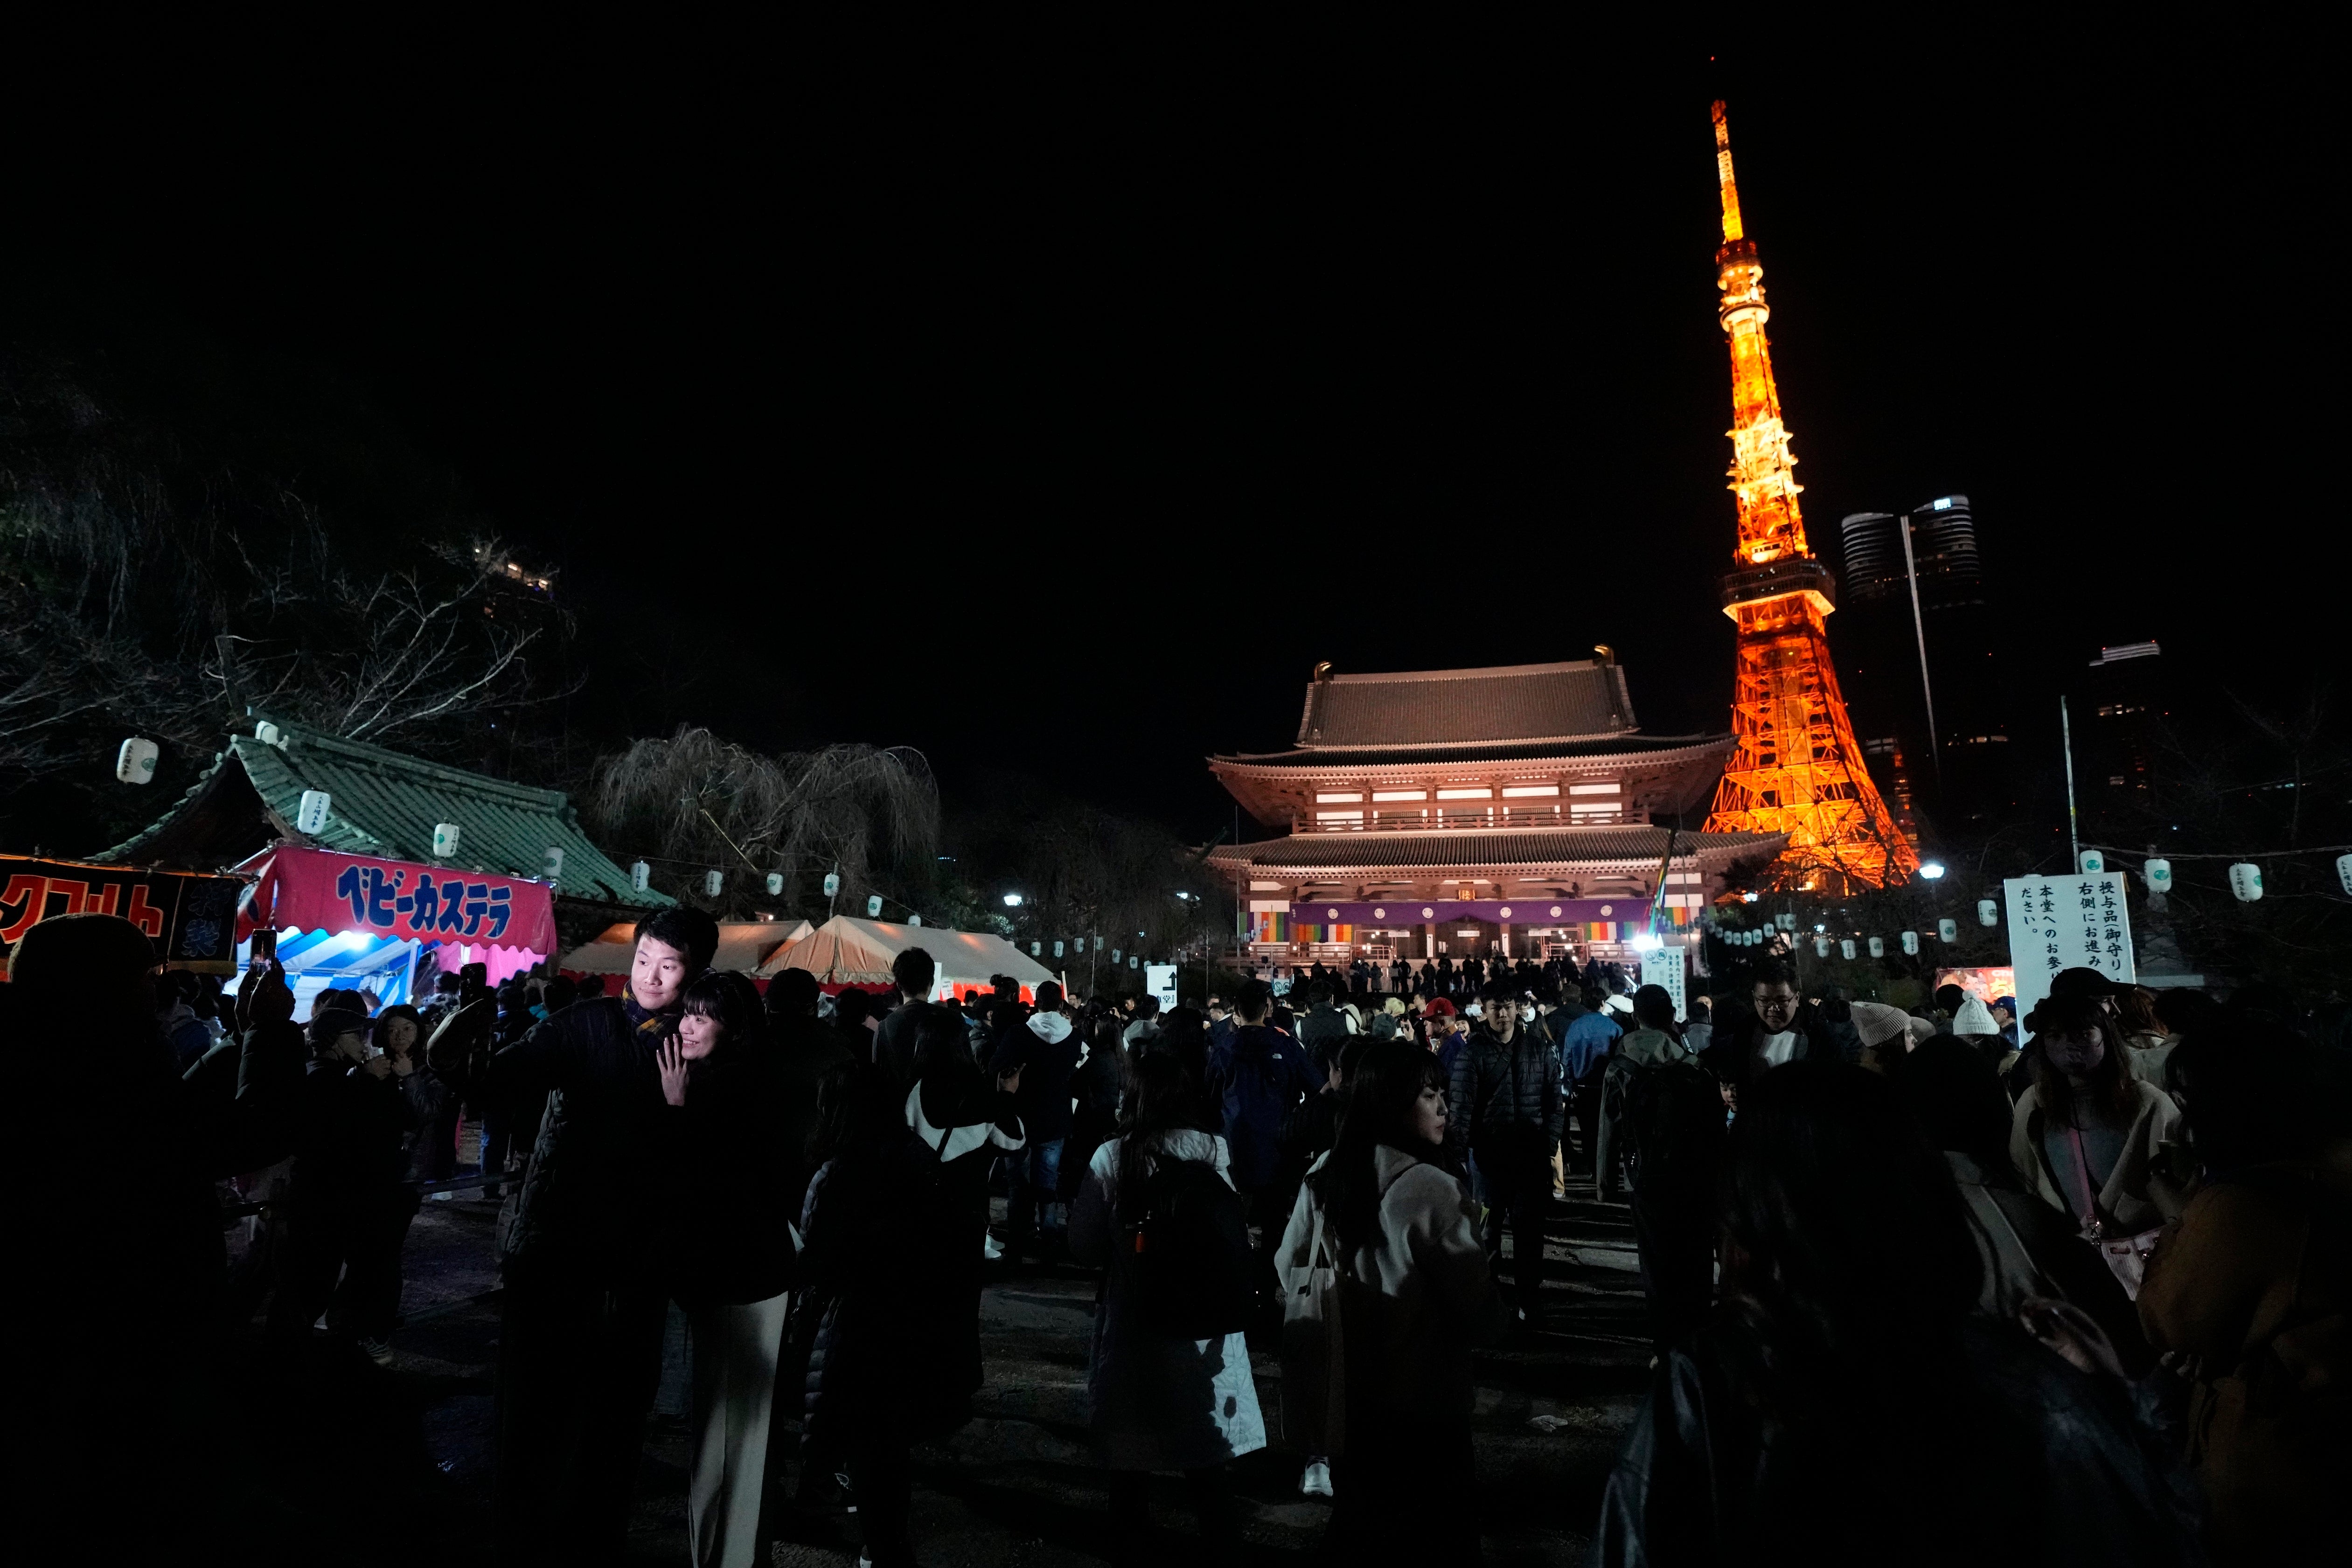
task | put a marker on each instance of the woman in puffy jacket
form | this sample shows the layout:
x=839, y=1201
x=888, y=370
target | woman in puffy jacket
x=728, y=1247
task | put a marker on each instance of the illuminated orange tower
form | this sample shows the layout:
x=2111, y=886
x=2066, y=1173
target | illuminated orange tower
x=1797, y=769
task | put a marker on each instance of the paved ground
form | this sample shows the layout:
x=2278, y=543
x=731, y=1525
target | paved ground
x=1015, y=1486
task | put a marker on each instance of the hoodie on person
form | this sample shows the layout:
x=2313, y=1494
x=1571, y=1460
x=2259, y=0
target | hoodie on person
x=1046, y=1050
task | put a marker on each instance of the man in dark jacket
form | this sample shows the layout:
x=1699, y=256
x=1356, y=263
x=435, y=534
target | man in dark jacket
x=1258, y=1077
x=894, y=1042
x=1324, y=1030
x=805, y=1052
x=1779, y=1027
x=1506, y=1115
x=1045, y=1052
x=580, y=1350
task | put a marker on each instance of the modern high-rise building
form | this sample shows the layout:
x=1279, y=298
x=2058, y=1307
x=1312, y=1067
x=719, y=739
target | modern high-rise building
x=1908, y=581
x=2115, y=742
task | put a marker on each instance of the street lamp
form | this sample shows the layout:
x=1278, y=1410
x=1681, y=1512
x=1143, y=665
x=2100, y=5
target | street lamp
x=1012, y=900
x=1932, y=870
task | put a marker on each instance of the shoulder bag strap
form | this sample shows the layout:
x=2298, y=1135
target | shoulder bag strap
x=2090, y=1215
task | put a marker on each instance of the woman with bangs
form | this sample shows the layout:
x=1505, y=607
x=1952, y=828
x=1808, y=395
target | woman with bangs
x=1396, y=1234
x=730, y=1247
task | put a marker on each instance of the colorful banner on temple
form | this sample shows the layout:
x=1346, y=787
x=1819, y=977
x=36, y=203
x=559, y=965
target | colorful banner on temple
x=299, y=888
x=191, y=918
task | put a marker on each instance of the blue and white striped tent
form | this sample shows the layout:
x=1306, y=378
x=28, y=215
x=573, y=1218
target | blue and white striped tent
x=358, y=960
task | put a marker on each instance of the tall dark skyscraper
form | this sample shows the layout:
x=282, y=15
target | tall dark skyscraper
x=1958, y=776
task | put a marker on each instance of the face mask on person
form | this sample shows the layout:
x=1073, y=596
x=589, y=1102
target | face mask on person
x=2075, y=1055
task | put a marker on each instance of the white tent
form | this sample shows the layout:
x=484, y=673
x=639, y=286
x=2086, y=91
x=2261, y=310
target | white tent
x=743, y=945
x=846, y=952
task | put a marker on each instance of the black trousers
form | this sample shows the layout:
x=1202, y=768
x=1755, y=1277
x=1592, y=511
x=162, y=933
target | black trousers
x=1212, y=1501
x=1675, y=1231
x=882, y=1484
x=578, y=1363
x=1518, y=1198
x=323, y=1231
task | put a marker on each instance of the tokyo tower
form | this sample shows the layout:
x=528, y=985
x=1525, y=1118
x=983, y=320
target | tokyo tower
x=1797, y=769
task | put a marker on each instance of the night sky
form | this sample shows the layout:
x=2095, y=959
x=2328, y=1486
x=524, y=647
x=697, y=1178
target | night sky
x=1062, y=429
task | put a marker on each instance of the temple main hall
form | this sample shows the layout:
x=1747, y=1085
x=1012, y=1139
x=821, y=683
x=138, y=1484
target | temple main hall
x=1515, y=812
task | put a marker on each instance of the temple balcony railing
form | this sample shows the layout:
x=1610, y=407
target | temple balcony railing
x=1418, y=820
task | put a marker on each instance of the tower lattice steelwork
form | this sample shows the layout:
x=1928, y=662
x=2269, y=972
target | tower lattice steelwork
x=1797, y=769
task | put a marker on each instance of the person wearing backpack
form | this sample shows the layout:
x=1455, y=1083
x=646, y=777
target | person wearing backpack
x=1386, y=1290
x=1169, y=1385
x=1257, y=1079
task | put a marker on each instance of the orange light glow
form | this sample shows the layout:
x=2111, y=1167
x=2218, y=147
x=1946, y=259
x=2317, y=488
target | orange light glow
x=1797, y=769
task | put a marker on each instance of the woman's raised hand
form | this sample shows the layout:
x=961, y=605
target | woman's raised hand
x=671, y=1063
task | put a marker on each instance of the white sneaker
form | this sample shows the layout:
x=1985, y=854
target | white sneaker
x=1317, y=1481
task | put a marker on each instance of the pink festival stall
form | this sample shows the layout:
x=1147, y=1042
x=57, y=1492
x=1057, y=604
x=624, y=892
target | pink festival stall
x=377, y=924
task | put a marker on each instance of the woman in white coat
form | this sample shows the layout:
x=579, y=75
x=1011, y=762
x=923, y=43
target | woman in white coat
x=1156, y=1403
x=1385, y=1238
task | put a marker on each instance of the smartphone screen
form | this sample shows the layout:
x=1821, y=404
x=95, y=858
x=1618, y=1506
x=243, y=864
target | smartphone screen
x=265, y=948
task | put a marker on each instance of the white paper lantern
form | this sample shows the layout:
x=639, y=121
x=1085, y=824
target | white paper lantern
x=2090, y=863
x=444, y=839
x=1910, y=941
x=135, y=763
x=312, y=817
x=1787, y=921
x=1133, y=962
x=1948, y=930
x=640, y=873
x=551, y=864
x=1821, y=947
x=1081, y=945
x=2157, y=875
x=2246, y=881
x=1988, y=911
x=267, y=733
x=1057, y=949
x=712, y=882
x=1036, y=949
x=914, y=920
x=1878, y=946
x=831, y=884
x=1114, y=955
x=775, y=885
x=2342, y=872
x=873, y=906
x=1845, y=946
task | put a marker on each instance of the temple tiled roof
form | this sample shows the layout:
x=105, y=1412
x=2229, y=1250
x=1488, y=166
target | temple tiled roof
x=1478, y=847
x=383, y=803
x=1518, y=705
x=1630, y=745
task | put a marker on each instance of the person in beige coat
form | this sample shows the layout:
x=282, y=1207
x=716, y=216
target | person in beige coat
x=1387, y=1234
x=2085, y=1137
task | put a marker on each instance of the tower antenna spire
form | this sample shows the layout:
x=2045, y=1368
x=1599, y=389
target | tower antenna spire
x=1729, y=186
x=1797, y=769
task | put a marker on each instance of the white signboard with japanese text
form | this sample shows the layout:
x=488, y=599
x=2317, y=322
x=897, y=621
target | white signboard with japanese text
x=1665, y=967
x=2066, y=923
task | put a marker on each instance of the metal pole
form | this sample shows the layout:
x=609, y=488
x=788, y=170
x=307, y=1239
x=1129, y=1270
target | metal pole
x=1919, y=629
x=2066, y=743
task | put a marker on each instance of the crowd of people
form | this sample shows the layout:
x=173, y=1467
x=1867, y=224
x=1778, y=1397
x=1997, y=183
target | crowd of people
x=1934, y=1283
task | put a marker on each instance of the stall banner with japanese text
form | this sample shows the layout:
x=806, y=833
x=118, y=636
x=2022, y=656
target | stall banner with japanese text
x=2066, y=923
x=1665, y=967
x=299, y=888
x=192, y=918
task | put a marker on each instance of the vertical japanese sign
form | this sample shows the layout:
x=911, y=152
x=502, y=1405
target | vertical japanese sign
x=1665, y=967
x=2066, y=923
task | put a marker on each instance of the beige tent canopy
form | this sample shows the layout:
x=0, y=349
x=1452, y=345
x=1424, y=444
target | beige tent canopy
x=846, y=952
x=742, y=945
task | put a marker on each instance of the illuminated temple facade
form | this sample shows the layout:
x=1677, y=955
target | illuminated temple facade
x=1515, y=811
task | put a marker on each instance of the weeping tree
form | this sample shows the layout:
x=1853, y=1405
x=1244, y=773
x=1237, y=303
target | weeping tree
x=694, y=804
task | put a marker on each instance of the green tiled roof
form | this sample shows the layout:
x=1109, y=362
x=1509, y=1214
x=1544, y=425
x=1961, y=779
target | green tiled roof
x=384, y=803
